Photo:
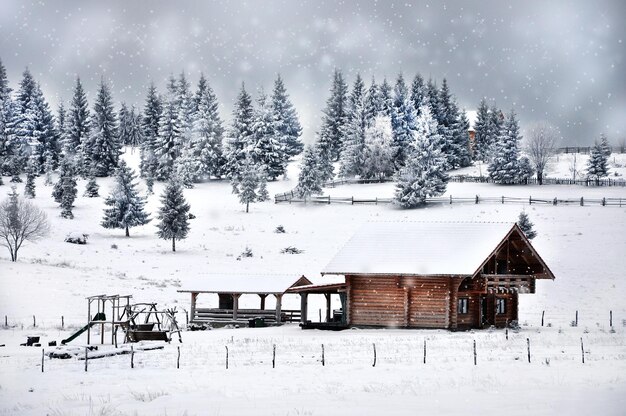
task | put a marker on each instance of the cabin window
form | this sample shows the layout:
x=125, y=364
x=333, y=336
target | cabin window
x=463, y=306
x=500, y=306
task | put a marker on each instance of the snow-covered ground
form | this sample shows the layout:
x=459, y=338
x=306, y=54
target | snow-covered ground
x=584, y=246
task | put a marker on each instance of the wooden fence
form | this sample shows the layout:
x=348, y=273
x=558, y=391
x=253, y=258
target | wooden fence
x=292, y=197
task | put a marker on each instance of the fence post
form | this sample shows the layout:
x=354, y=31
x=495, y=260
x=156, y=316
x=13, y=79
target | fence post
x=477, y=199
x=424, y=350
x=530, y=200
x=352, y=197
x=226, y=346
x=611, y=319
x=34, y=322
x=374, y=345
x=178, y=357
x=474, y=352
x=528, y=346
x=582, y=201
x=62, y=322
x=554, y=202
x=6, y=321
x=603, y=202
x=86, y=358
x=576, y=319
x=503, y=199
x=274, y=356
x=132, y=357
x=323, y=358
x=43, y=354
x=582, y=349
x=542, y=315
x=450, y=199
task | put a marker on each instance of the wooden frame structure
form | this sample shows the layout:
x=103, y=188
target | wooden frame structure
x=482, y=292
x=230, y=288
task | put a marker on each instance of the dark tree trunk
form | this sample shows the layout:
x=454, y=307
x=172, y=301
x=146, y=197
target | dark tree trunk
x=173, y=244
x=540, y=177
x=247, y=206
x=127, y=233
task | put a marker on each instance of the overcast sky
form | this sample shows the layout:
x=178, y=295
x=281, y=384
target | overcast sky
x=556, y=61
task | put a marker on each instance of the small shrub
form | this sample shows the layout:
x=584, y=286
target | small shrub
x=291, y=250
x=76, y=238
x=246, y=253
x=280, y=230
x=114, y=246
x=191, y=216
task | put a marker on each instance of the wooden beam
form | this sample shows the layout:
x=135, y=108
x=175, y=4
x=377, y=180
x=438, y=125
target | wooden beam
x=279, y=299
x=327, y=295
x=235, y=304
x=194, y=296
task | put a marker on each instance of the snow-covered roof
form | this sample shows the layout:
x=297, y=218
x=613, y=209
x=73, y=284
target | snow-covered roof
x=418, y=248
x=245, y=284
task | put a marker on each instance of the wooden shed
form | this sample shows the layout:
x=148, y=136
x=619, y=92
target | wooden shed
x=229, y=289
x=435, y=275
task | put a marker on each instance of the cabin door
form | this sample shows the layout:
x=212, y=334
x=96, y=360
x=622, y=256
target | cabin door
x=487, y=311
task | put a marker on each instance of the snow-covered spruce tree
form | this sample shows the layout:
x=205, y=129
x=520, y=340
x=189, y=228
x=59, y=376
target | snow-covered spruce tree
x=126, y=206
x=269, y=152
x=48, y=168
x=526, y=170
x=418, y=93
x=45, y=135
x=402, y=122
x=504, y=167
x=6, y=115
x=207, y=133
x=167, y=144
x=597, y=163
x=604, y=144
x=150, y=128
x=103, y=147
x=68, y=193
x=134, y=129
x=496, y=123
x=461, y=140
x=424, y=174
x=92, y=189
x=29, y=188
x=527, y=227
x=262, y=194
x=372, y=103
x=246, y=184
x=482, y=134
x=150, y=185
x=309, y=178
x=353, y=151
x=285, y=122
x=60, y=124
x=240, y=140
x=433, y=101
x=378, y=160
x=386, y=98
x=123, y=124
x=173, y=214
x=22, y=124
x=185, y=102
x=185, y=167
x=448, y=125
x=78, y=127
x=66, y=169
x=331, y=134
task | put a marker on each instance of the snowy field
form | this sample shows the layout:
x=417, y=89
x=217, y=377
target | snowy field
x=584, y=246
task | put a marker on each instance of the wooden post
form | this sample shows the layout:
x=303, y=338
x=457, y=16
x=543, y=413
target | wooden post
x=178, y=358
x=424, y=350
x=34, y=322
x=582, y=201
x=278, y=308
x=303, y=307
x=43, y=354
x=506, y=331
x=528, y=347
x=132, y=357
x=542, y=315
x=262, y=301
x=274, y=356
x=235, y=305
x=328, y=307
x=323, y=358
x=374, y=364
x=475, y=352
x=477, y=199
x=86, y=358
x=582, y=349
x=194, y=296
x=320, y=314
x=226, y=356
x=88, y=320
x=576, y=321
x=503, y=199
x=62, y=322
x=611, y=319
x=6, y=321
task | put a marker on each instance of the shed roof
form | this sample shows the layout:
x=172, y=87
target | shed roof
x=245, y=284
x=418, y=248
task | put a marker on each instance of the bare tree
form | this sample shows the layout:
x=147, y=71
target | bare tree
x=540, y=146
x=20, y=221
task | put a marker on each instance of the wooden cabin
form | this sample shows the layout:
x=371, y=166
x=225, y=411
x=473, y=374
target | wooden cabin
x=433, y=275
x=230, y=288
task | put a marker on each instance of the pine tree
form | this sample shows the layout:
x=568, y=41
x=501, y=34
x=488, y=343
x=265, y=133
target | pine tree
x=386, y=98
x=597, y=163
x=29, y=189
x=22, y=124
x=185, y=103
x=6, y=116
x=372, y=103
x=150, y=128
x=433, y=100
x=526, y=170
x=496, y=122
x=78, y=127
x=68, y=192
x=286, y=125
x=424, y=174
x=606, y=147
x=48, y=168
x=103, y=147
x=505, y=167
x=418, y=93
x=134, y=129
x=378, y=163
x=482, y=134
x=44, y=135
x=186, y=168
x=166, y=146
x=447, y=122
x=123, y=117
x=461, y=140
x=66, y=170
x=269, y=152
x=241, y=134
x=173, y=214
x=207, y=134
x=309, y=179
x=60, y=125
x=527, y=227
x=262, y=194
x=353, y=152
x=402, y=122
x=127, y=207
x=92, y=188
x=246, y=184
x=150, y=185
x=331, y=134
